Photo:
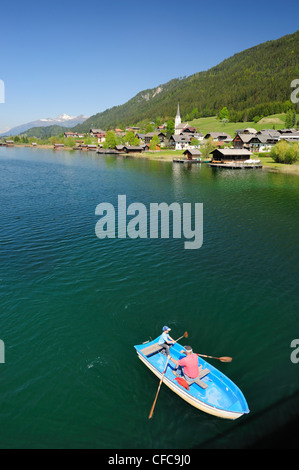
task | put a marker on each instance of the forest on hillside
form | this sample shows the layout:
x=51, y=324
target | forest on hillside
x=251, y=84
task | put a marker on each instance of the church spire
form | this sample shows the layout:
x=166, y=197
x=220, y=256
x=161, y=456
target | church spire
x=177, y=121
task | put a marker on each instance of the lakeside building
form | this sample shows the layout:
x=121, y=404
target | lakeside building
x=133, y=148
x=192, y=154
x=229, y=155
x=180, y=142
x=233, y=159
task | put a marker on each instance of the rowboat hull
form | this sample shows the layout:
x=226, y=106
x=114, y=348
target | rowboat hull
x=212, y=400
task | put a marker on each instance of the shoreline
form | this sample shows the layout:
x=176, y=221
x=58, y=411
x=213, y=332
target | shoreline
x=267, y=163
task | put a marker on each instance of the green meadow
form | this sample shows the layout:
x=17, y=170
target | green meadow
x=212, y=124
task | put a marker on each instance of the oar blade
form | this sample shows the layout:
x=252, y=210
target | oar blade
x=226, y=359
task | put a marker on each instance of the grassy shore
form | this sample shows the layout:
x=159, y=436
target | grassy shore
x=266, y=160
x=169, y=155
x=270, y=165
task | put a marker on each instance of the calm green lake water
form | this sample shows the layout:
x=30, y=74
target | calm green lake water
x=72, y=306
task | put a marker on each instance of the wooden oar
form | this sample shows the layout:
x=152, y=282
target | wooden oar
x=185, y=335
x=222, y=359
x=154, y=404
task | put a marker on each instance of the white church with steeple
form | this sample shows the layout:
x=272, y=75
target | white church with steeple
x=178, y=126
x=177, y=122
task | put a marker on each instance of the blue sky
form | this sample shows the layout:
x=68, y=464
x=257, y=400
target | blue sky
x=79, y=57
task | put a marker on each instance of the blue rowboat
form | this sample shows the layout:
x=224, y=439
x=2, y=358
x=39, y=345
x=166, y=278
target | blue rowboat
x=213, y=392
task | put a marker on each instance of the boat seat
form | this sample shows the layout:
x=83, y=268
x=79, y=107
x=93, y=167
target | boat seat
x=148, y=350
x=202, y=373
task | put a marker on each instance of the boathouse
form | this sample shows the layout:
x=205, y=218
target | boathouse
x=133, y=148
x=230, y=155
x=192, y=154
x=233, y=159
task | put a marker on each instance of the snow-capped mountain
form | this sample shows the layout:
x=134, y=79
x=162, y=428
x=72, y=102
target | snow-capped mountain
x=62, y=120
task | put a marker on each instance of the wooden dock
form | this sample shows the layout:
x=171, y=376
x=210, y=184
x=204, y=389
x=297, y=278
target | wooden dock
x=237, y=165
x=185, y=160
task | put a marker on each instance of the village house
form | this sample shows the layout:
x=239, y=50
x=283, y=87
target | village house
x=289, y=135
x=93, y=132
x=140, y=137
x=188, y=129
x=182, y=141
x=101, y=137
x=260, y=142
x=198, y=136
x=219, y=137
x=242, y=141
x=132, y=129
x=148, y=137
x=70, y=134
x=248, y=130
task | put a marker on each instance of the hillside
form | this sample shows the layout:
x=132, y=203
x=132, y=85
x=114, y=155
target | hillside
x=255, y=82
x=44, y=132
x=63, y=120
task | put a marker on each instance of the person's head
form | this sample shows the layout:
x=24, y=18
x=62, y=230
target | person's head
x=166, y=329
x=188, y=349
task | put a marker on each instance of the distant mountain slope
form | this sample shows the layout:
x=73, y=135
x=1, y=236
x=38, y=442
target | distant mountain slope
x=44, y=132
x=252, y=83
x=63, y=120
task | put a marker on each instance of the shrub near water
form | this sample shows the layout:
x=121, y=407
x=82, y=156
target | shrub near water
x=283, y=152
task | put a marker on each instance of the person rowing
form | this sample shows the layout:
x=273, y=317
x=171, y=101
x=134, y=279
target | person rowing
x=165, y=341
x=188, y=365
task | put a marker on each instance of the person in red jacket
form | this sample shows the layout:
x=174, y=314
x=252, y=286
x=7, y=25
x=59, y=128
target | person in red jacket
x=188, y=364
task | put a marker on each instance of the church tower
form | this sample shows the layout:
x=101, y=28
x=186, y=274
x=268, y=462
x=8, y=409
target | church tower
x=177, y=121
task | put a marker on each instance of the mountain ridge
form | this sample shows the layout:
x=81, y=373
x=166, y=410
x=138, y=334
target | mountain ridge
x=250, y=83
x=63, y=120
